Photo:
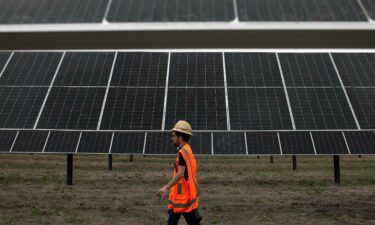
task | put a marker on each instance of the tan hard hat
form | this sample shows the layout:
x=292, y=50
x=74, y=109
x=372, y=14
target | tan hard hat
x=183, y=127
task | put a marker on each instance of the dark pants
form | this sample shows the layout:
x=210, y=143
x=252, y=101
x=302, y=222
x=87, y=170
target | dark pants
x=192, y=218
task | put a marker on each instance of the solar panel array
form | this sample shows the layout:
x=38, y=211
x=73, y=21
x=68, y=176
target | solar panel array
x=202, y=143
x=237, y=102
x=126, y=11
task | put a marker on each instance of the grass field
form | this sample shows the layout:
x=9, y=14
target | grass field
x=236, y=190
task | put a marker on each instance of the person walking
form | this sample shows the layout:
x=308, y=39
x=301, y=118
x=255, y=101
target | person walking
x=183, y=187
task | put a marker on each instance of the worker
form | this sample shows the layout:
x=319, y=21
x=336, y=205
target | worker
x=183, y=187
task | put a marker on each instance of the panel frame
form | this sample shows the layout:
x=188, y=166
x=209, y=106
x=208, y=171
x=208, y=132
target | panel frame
x=286, y=91
x=11, y=141
x=369, y=154
x=345, y=93
x=106, y=92
x=30, y=152
x=226, y=92
x=49, y=90
x=6, y=64
x=166, y=92
x=330, y=154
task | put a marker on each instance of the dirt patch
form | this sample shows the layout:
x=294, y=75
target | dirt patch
x=236, y=190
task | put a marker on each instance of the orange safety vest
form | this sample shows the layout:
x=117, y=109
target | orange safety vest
x=184, y=195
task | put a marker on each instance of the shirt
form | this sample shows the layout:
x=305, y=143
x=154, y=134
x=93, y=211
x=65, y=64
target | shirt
x=181, y=162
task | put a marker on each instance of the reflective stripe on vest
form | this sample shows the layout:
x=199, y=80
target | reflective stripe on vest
x=183, y=205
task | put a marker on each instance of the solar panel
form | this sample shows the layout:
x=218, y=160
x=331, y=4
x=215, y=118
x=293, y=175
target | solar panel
x=134, y=109
x=361, y=142
x=258, y=109
x=356, y=69
x=4, y=56
x=331, y=143
x=140, y=69
x=196, y=70
x=72, y=108
x=30, y=141
x=252, y=69
x=296, y=143
x=136, y=100
x=308, y=69
x=95, y=142
x=160, y=143
x=62, y=142
x=6, y=139
x=363, y=102
x=370, y=7
x=200, y=143
x=85, y=69
x=300, y=10
x=128, y=142
x=320, y=108
x=31, y=68
x=204, y=108
x=229, y=143
x=263, y=143
x=170, y=10
x=52, y=11
x=20, y=106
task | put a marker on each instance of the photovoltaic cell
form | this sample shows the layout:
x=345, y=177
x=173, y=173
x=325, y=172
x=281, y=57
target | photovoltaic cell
x=170, y=10
x=370, y=7
x=134, y=109
x=62, y=141
x=72, y=108
x=320, y=108
x=300, y=10
x=4, y=56
x=31, y=68
x=356, y=69
x=204, y=108
x=85, y=69
x=95, y=142
x=363, y=102
x=263, y=143
x=308, y=69
x=6, y=139
x=258, y=109
x=200, y=143
x=361, y=142
x=51, y=11
x=30, y=141
x=160, y=143
x=140, y=69
x=229, y=143
x=20, y=106
x=252, y=69
x=296, y=143
x=331, y=143
x=130, y=142
x=196, y=69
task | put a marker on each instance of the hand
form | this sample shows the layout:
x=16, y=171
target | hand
x=162, y=191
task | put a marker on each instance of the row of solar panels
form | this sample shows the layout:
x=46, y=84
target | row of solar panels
x=213, y=91
x=250, y=143
x=114, y=11
x=186, y=69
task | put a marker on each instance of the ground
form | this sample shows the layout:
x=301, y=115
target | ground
x=236, y=190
